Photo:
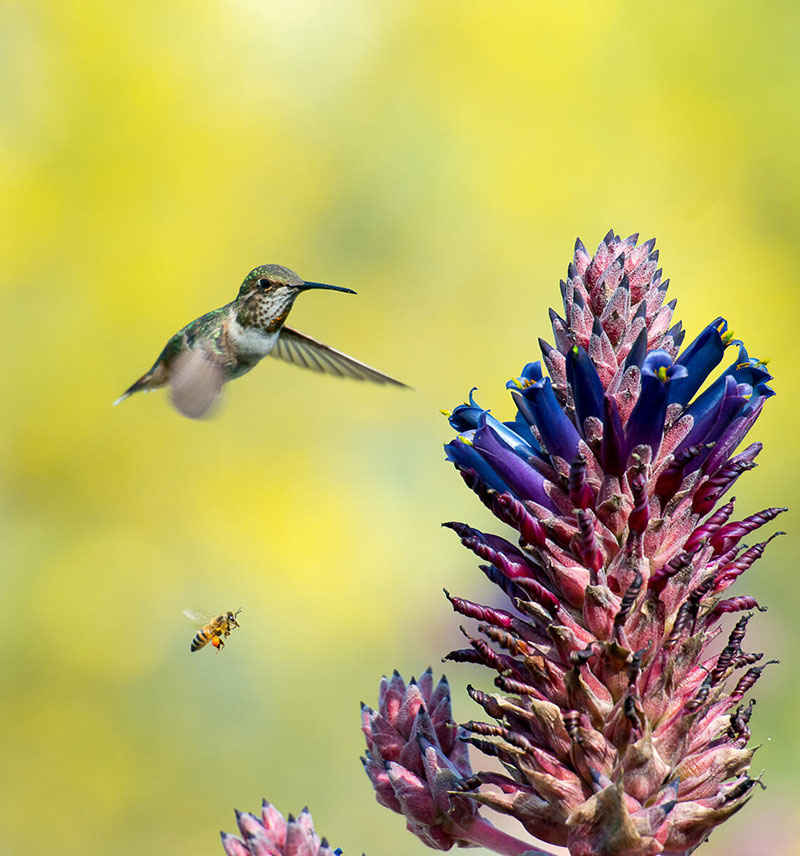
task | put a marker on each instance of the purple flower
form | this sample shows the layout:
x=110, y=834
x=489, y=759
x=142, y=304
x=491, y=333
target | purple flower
x=620, y=730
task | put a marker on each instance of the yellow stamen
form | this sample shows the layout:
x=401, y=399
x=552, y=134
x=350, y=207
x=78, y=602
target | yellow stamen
x=661, y=373
x=447, y=413
x=465, y=440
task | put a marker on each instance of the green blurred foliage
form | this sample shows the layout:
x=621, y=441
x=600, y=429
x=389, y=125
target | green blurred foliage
x=438, y=157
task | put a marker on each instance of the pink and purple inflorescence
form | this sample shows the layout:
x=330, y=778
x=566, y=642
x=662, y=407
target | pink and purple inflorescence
x=618, y=724
x=272, y=835
x=415, y=758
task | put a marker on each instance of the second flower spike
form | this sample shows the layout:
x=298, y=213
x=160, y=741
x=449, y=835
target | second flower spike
x=415, y=758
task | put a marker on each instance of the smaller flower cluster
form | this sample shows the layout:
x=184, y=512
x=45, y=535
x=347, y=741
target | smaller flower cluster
x=415, y=758
x=418, y=764
x=271, y=835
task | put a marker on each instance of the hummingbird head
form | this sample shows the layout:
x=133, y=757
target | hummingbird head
x=274, y=289
x=277, y=279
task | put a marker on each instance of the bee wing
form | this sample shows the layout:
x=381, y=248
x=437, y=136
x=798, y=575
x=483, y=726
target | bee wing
x=195, y=381
x=197, y=616
x=301, y=350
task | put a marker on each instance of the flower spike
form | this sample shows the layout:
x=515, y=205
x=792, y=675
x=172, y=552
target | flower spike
x=417, y=762
x=620, y=731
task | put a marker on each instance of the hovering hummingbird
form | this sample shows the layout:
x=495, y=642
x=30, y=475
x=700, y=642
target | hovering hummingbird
x=226, y=343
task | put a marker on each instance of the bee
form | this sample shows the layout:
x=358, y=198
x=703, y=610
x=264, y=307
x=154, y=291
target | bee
x=213, y=630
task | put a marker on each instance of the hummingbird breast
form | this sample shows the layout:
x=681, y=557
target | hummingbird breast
x=251, y=343
x=253, y=328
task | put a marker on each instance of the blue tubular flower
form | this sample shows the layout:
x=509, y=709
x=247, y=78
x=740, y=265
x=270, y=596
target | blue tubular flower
x=733, y=435
x=709, y=422
x=464, y=456
x=759, y=395
x=539, y=406
x=521, y=428
x=646, y=422
x=739, y=392
x=753, y=372
x=466, y=417
x=587, y=391
x=522, y=479
x=744, y=370
x=616, y=720
x=530, y=372
x=700, y=358
x=711, y=414
x=748, y=369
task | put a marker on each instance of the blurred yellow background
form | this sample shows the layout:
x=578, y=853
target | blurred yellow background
x=439, y=158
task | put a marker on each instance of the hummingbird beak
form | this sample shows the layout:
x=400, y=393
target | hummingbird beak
x=307, y=286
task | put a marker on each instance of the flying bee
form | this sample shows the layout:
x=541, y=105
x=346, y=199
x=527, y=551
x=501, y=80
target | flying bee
x=213, y=630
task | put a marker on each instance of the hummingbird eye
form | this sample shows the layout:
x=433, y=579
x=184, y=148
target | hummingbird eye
x=263, y=282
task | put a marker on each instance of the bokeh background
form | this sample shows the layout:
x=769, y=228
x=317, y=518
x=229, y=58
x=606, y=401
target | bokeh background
x=437, y=157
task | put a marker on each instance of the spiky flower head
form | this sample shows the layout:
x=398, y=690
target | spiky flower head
x=619, y=724
x=271, y=835
x=417, y=759
x=414, y=758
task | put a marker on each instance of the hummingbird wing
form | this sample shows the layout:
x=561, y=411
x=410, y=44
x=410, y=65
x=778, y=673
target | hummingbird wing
x=301, y=350
x=196, y=376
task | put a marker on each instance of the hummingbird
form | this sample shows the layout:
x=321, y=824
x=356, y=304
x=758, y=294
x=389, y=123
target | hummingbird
x=227, y=342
